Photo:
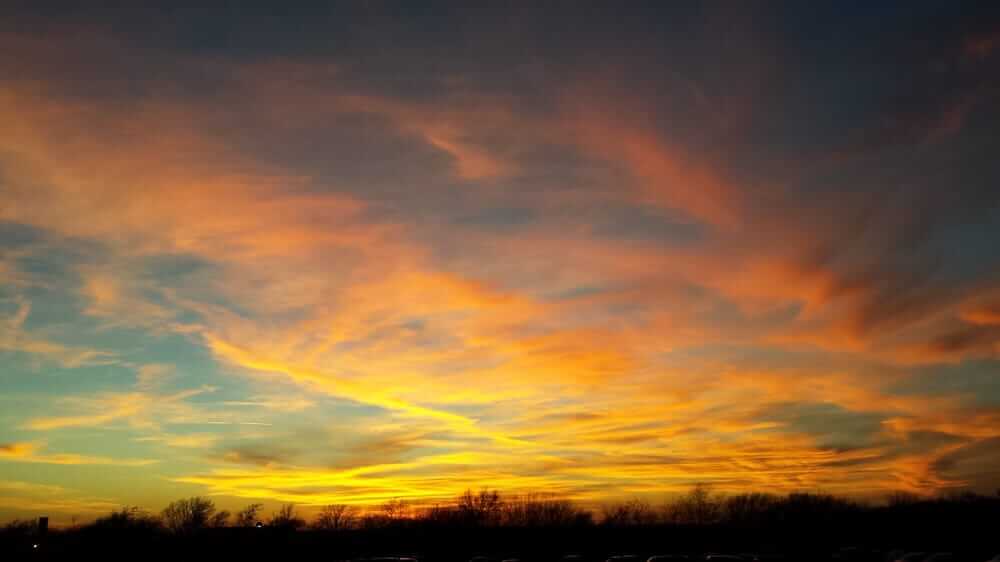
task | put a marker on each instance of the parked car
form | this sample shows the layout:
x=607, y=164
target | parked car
x=668, y=558
x=853, y=553
x=388, y=559
x=894, y=554
x=756, y=557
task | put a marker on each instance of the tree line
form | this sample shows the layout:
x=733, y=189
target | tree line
x=700, y=506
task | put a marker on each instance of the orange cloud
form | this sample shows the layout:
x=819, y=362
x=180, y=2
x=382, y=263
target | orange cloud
x=667, y=176
x=313, y=285
x=982, y=314
x=452, y=129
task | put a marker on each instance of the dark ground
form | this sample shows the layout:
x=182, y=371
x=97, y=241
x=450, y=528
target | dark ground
x=973, y=542
x=795, y=529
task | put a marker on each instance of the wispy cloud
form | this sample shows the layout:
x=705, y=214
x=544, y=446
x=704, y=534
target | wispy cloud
x=134, y=408
x=15, y=338
x=63, y=503
x=187, y=441
x=33, y=452
x=593, y=284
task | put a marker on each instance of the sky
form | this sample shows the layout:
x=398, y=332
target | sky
x=351, y=252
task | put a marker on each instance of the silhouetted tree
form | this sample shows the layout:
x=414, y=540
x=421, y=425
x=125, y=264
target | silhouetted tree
x=127, y=518
x=286, y=518
x=902, y=498
x=697, y=507
x=20, y=527
x=189, y=515
x=395, y=509
x=336, y=517
x=752, y=508
x=814, y=509
x=632, y=512
x=541, y=511
x=220, y=519
x=444, y=516
x=484, y=508
x=248, y=516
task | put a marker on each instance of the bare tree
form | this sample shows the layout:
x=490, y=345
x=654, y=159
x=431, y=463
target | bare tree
x=395, y=509
x=220, y=519
x=286, y=518
x=189, y=514
x=697, y=507
x=542, y=511
x=336, y=517
x=749, y=508
x=902, y=498
x=248, y=516
x=630, y=513
x=484, y=508
x=20, y=527
x=128, y=517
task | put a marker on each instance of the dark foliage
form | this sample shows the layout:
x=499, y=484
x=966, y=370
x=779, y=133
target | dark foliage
x=286, y=519
x=192, y=514
x=806, y=527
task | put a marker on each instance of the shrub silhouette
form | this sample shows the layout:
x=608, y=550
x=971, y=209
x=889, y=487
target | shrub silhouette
x=802, y=526
x=20, y=528
x=697, y=507
x=630, y=513
x=751, y=508
x=542, y=511
x=128, y=518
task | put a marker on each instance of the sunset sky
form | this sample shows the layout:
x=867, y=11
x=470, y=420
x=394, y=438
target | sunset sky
x=352, y=252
